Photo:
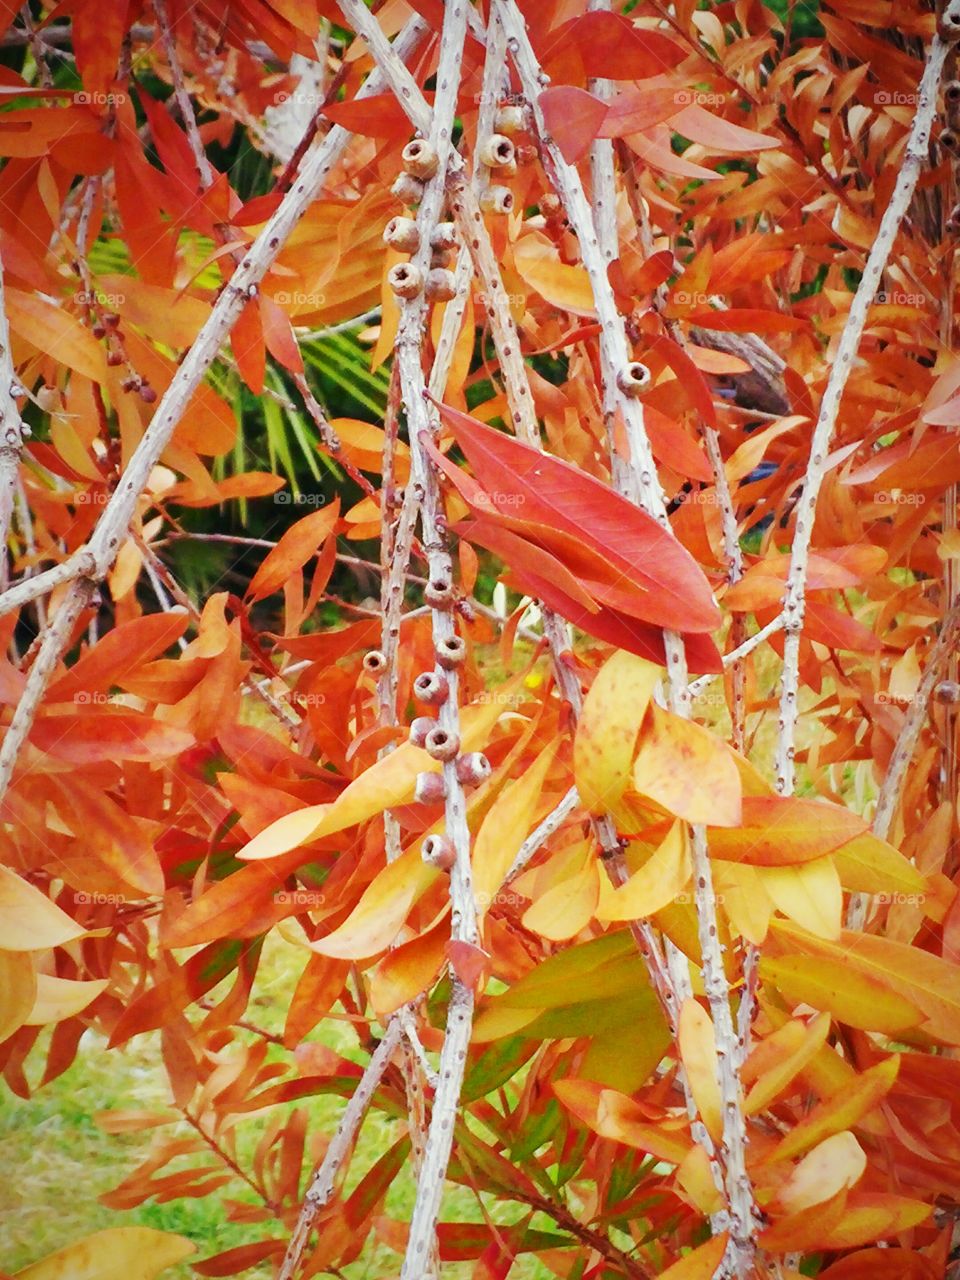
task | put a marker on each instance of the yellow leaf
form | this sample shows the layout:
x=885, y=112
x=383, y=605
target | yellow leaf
x=18, y=991
x=614, y=1115
x=742, y=896
x=925, y=980
x=851, y=997
x=504, y=830
x=871, y=865
x=59, y=998
x=841, y=1111
x=563, y=286
x=120, y=1253
x=688, y=771
x=567, y=907
x=702, y=1264
x=29, y=921
x=377, y=918
x=696, y=1178
x=810, y=893
x=607, y=732
x=698, y=1053
x=388, y=782
x=778, y=1079
x=658, y=882
x=835, y=1164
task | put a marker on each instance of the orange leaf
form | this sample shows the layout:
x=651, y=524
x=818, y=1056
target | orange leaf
x=301, y=541
x=687, y=770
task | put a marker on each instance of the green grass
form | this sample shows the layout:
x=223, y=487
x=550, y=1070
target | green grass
x=55, y=1162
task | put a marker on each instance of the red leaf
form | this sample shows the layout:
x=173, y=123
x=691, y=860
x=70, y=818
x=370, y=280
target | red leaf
x=672, y=589
x=279, y=336
x=613, y=48
x=248, y=349
x=574, y=117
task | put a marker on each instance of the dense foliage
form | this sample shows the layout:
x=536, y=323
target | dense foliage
x=479, y=502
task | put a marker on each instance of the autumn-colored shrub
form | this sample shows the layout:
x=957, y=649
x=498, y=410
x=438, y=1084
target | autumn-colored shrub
x=622, y=830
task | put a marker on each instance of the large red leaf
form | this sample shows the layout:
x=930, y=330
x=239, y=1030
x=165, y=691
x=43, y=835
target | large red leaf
x=675, y=591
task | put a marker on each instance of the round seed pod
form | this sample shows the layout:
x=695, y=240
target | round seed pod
x=473, y=768
x=431, y=687
x=951, y=92
x=441, y=744
x=438, y=851
x=419, y=728
x=403, y=234
x=405, y=279
x=147, y=394
x=441, y=285
x=948, y=22
x=444, y=236
x=452, y=652
x=430, y=788
x=497, y=200
x=497, y=151
x=419, y=159
x=408, y=189
x=114, y=358
x=634, y=379
x=550, y=206
x=947, y=693
x=374, y=662
x=526, y=153
x=439, y=594
x=440, y=258
x=509, y=119
x=950, y=141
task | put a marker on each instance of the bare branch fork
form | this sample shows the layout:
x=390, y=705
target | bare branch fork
x=915, y=157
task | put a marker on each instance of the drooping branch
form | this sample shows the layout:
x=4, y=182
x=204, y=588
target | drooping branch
x=915, y=157
x=621, y=372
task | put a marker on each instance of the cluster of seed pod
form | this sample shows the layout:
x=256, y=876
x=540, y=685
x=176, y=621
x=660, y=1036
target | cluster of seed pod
x=407, y=279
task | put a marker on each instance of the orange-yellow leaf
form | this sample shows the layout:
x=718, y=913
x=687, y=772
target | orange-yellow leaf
x=59, y=998
x=18, y=991
x=29, y=921
x=811, y=894
x=698, y=1053
x=833, y=1165
x=567, y=907
x=841, y=1111
x=779, y=1078
x=504, y=830
x=687, y=770
x=702, y=1264
x=377, y=918
x=607, y=731
x=563, y=286
x=659, y=881
x=119, y=1253
x=857, y=999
